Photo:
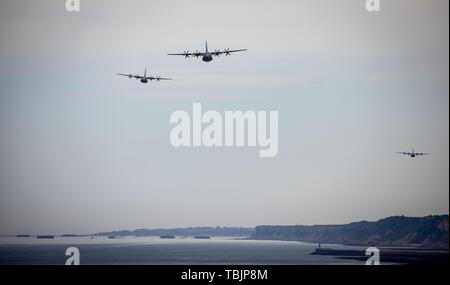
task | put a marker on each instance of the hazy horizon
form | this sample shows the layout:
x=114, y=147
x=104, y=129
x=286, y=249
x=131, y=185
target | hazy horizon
x=84, y=150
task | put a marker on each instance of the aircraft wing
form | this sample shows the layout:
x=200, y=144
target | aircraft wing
x=130, y=75
x=227, y=51
x=158, y=78
x=188, y=54
x=405, y=153
x=422, y=153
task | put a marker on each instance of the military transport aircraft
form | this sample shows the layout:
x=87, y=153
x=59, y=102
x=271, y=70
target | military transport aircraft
x=144, y=78
x=207, y=56
x=413, y=153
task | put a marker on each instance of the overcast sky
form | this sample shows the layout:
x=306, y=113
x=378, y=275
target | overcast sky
x=83, y=150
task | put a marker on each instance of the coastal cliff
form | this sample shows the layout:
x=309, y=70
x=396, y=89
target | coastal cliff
x=429, y=231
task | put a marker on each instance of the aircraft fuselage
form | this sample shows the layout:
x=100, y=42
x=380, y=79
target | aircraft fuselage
x=144, y=80
x=207, y=57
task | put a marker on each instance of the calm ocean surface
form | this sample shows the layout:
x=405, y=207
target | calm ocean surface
x=153, y=250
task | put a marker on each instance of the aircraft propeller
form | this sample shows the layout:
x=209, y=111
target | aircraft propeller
x=227, y=51
x=186, y=54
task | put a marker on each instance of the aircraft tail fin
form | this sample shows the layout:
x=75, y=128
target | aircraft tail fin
x=206, y=44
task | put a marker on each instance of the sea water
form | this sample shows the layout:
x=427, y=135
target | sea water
x=154, y=250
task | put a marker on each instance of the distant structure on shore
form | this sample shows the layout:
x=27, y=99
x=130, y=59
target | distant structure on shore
x=202, y=237
x=391, y=255
x=167, y=237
